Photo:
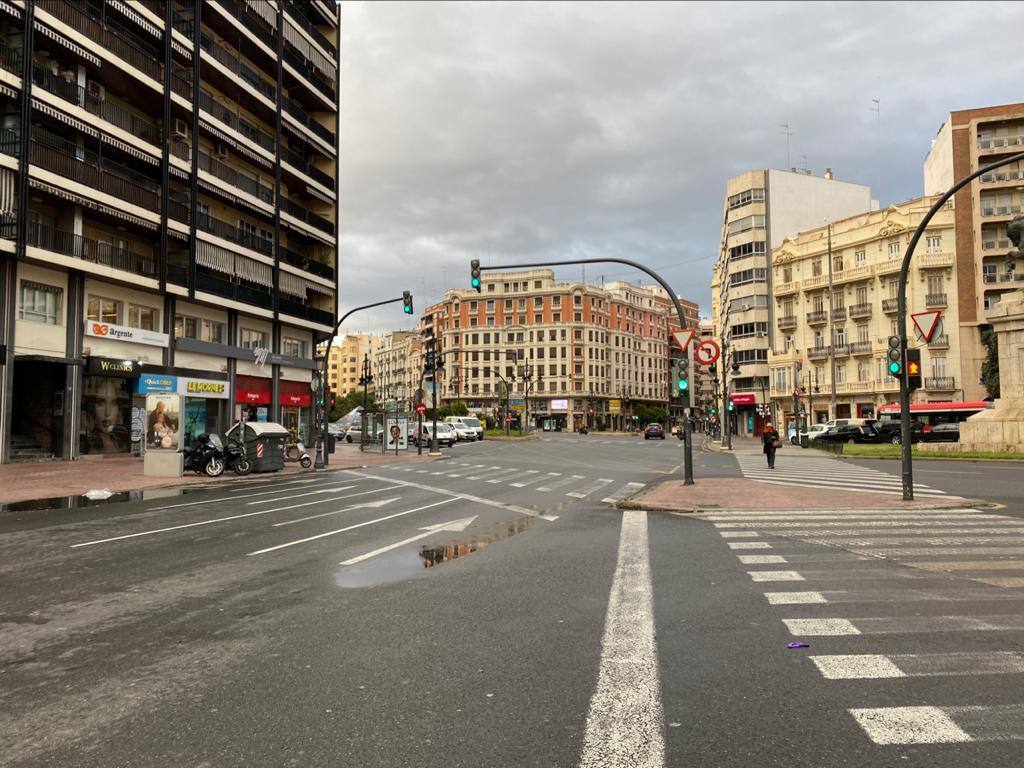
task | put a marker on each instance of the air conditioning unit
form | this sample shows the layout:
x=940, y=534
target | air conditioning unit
x=95, y=90
x=221, y=151
x=180, y=128
x=760, y=334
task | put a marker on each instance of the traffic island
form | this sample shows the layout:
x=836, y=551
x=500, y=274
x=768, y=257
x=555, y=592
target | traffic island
x=717, y=494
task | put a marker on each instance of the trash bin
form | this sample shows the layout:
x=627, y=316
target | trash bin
x=264, y=444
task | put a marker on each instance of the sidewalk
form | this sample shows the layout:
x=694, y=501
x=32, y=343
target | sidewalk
x=715, y=494
x=44, y=480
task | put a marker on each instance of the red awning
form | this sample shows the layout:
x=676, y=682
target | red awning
x=295, y=393
x=252, y=389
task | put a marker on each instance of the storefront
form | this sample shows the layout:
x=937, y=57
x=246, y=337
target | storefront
x=295, y=398
x=204, y=402
x=106, y=420
x=746, y=419
x=252, y=398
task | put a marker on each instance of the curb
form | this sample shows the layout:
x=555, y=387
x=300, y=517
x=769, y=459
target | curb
x=631, y=504
x=511, y=439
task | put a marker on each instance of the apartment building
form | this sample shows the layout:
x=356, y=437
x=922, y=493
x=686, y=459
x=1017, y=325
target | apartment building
x=168, y=180
x=569, y=353
x=834, y=299
x=398, y=367
x=761, y=208
x=968, y=140
x=345, y=367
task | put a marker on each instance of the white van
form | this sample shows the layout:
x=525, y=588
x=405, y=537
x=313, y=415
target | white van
x=849, y=423
x=468, y=424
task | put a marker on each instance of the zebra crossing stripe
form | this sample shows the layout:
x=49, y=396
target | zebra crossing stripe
x=892, y=526
x=775, y=576
x=874, y=666
x=761, y=559
x=626, y=490
x=886, y=596
x=561, y=483
x=524, y=483
x=897, y=625
x=750, y=545
x=909, y=725
x=739, y=534
x=601, y=483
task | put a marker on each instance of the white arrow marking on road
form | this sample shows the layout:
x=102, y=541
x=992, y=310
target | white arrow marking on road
x=321, y=501
x=454, y=525
x=228, y=498
x=300, y=495
x=365, y=505
x=350, y=528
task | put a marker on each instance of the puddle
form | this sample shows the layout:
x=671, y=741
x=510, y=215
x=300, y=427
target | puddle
x=80, y=502
x=409, y=563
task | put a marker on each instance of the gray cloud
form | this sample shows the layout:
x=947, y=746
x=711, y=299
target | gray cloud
x=524, y=131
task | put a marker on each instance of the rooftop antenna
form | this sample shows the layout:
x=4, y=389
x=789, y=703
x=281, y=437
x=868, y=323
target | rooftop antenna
x=803, y=161
x=788, y=133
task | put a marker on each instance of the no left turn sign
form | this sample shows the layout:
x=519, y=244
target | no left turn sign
x=707, y=352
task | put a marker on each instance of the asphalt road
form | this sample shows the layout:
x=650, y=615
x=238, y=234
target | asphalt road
x=341, y=619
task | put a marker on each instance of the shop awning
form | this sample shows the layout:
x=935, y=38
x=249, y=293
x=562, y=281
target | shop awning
x=254, y=271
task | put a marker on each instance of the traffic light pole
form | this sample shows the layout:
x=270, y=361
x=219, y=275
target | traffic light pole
x=321, y=446
x=476, y=268
x=906, y=443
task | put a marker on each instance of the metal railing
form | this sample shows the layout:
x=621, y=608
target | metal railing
x=841, y=350
x=939, y=342
x=298, y=162
x=940, y=382
x=226, y=173
x=231, y=59
x=839, y=313
x=307, y=263
x=9, y=143
x=817, y=353
x=233, y=234
x=224, y=114
x=889, y=305
x=306, y=215
x=297, y=111
x=229, y=289
x=860, y=310
x=298, y=309
x=816, y=317
x=860, y=347
x=297, y=15
x=787, y=322
x=251, y=21
x=935, y=300
x=88, y=249
x=306, y=70
x=10, y=57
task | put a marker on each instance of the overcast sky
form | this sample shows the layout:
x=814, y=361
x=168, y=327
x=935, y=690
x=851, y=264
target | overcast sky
x=528, y=131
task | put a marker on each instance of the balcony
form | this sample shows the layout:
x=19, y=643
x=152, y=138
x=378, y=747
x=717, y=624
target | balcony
x=87, y=249
x=995, y=245
x=889, y=266
x=296, y=161
x=988, y=211
x=939, y=342
x=252, y=22
x=935, y=260
x=228, y=289
x=296, y=110
x=853, y=274
x=233, y=234
x=935, y=300
x=839, y=313
x=787, y=323
x=307, y=71
x=792, y=286
x=9, y=141
x=296, y=15
x=114, y=114
x=112, y=35
x=995, y=177
x=860, y=310
x=65, y=159
x=233, y=61
x=816, y=318
x=304, y=214
x=889, y=305
x=224, y=113
x=860, y=348
x=1000, y=277
x=10, y=58
x=841, y=350
x=1000, y=143
x=298, y=309
x=940, y=383
x=307, y=263
x=817, y=353
x=231, y=176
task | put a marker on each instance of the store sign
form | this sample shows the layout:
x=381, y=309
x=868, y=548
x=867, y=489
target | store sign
x=303, y=400
x=252, y=396
x=124, y=333
x=614, y=406
x=154, y=383
x=203, y=388
x=559, y=405
x=743, y=398
x=105, y=366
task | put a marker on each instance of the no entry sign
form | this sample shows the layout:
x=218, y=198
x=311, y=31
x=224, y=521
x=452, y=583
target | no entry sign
x=421, y=408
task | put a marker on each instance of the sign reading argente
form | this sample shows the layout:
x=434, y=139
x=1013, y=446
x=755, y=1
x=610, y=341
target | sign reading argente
x=124, y=333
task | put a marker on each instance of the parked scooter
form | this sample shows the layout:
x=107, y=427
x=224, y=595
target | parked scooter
x=235, y=458
x=583, y=431
x=206, y=456
x=297, y=452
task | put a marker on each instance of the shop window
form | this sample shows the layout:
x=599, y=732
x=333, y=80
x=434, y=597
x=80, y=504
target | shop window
x=213, y=331
x=142, y=317
x=40, y=303
x=252, y=339
x=103, y=310
x=293, y=347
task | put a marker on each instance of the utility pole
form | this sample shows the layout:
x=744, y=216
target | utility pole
x=831, y=327
x=726, y=415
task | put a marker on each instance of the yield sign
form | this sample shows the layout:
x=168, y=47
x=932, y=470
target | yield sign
x=926, y=322
x=683, y=338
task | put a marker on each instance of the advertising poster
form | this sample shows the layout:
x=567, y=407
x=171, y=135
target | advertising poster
x=163, y=422
x=396, y=433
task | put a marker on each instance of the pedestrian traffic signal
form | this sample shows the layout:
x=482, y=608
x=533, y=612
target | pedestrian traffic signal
x=333, y=400
x=474, y=274
x=913, y=358
x=407, y=302
x=731, y=407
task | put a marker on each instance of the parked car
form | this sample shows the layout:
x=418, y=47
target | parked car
x=812, y=432
x=445, y=434
x=891, y=432
x=942, y=433
x=355, y=433
x=850, y=434
x=850, y=423
x=469, y=422
x=462, y=432
x=655, y=431
x=336, y=429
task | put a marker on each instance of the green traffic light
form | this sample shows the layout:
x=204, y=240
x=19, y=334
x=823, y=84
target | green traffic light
x=683, y=385
x=894, y=367
x=476, y=282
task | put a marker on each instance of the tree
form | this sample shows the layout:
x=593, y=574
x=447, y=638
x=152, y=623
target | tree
x=651, y=414
x=354, y=399
x=990, y=368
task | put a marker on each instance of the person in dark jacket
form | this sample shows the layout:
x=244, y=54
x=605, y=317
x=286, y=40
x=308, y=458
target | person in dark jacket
x=769, y=438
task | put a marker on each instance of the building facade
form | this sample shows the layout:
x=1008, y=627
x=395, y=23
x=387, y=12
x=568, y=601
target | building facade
x=968, y=140
x=168, y=185
x=845, y=328
x=567, y=354
x=345, y=367
x=761, y=208
x=397, y=367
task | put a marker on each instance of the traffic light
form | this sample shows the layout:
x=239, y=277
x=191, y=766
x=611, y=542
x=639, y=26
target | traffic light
x=735, y=367
x=913, y=358
x=407, y=302
x=333, y=399
x=895, y=357
x=474, y=274
x=731, y=407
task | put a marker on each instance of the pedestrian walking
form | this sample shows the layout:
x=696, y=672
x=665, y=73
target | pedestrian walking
x=771, y=442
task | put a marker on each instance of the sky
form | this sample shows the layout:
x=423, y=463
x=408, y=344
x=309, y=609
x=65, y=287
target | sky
x=515, y=132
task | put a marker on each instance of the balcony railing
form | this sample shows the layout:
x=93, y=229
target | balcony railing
x=939, y=342
x=860, y=310
x=233, y=61
x=995, y=245
x=1007, y=175
x=251, y=21
x=61, y=157
x=304, y=214
x=113, y=36
x=307, y=263
x=87, y=249
x=839, y=313
x=817, y=353
x=298, y=309
x=226, y=173
x=817, y=317
x=299, y=163
x=9, y=143
x=296, y=14
x=787, y=323
x=233, y=234
x=75, y=94
x=999, y=143
x=860, y=348
x=10, y=57
x=841, y=350
x=222, y=112
x=296, y=110
x=940, y=382
x=999, y=210
x=889, y=305
x=247, y=294
x=935, y=300
x=306, y=70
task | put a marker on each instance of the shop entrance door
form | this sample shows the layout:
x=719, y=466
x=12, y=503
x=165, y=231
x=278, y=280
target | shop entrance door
x=37, y=424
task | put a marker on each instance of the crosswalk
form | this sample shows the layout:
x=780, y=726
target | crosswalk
x=799, y=469
x=533, y=480
x=882, y=596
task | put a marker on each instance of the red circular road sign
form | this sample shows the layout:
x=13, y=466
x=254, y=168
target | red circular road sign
x=707, y=352
x=508, y=419
x=421, y=408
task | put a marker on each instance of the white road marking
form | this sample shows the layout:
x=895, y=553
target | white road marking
x=775, y=576
x=740, y=534
x=322, y=501
x=504, y=475
x=971, y=565
x=909, y=725
x=561, y=483
x=1000, y=581
x=920, y=665
x=430, y=530
x=795, y=598
x=365, y=505
x=348, y=528
x=820, y=627
x=600, y=483
x=894, y=625
x=318, y=491
x=624, y=721
x=761, y=559
x=932, y=551
x=860, y=667
x=227, y=498
x=626, y=490
x=879, y=526
x=750, y=545
x=537, y=479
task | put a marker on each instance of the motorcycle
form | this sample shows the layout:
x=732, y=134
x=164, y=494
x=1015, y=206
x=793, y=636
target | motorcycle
x=583, y=431
x=235, y=458
x=297, y=452
x=206, y=456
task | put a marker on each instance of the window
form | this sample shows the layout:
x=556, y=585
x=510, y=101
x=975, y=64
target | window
x=787, y=274
x=759, y=275
x=863, y=371
x=490, y=305
x=816, y=268
x=538, y=302
x=936, y=284
x=251, y=339
x=577, y=317
x=746, y=197
x=894, y=248
x=745, y=224
x=818, y=303
x=577, y=300
x=103, y=310
x=556, y=301
x=863, y=333
x=40, y=303
x=781, y=379
x=522, y=305
x=247, y=232
x=756, y=248
x=508, y=319
x=840, y=373
x=862, y=294
x=819, y=339
x=293, y=347
x=472, y=307
x=536, y=284
x=934, y=243
x=142, y=317
x=939, y=370
x=556, y=317
x=840, y=336
x=203, y=215
x=837, y=262
x=860, y=257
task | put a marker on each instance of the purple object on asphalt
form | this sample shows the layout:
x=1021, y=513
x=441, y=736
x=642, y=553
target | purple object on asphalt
x=798, y=645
